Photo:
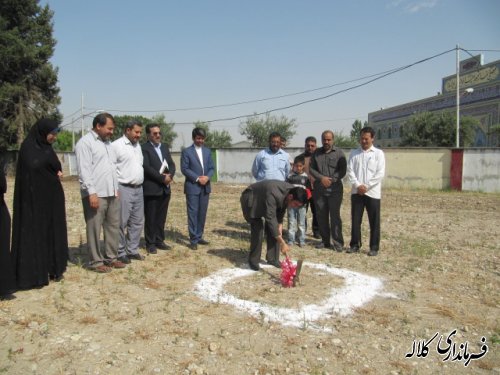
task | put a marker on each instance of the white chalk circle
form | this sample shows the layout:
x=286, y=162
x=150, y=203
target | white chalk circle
x=358, y=290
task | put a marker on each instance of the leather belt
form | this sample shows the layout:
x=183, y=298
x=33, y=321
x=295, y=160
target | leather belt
x=131, y=185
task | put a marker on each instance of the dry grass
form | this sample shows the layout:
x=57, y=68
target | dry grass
x=441, y=262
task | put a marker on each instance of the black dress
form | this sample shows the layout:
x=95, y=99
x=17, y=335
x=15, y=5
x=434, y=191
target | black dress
x=7, y=278
x=39, y=235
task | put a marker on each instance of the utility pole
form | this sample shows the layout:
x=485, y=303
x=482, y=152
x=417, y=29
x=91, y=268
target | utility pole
x=81, y=113
x=458, y=96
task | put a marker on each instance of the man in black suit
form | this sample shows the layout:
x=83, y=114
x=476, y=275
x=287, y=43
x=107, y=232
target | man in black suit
x=159, y=171
x=268, y=200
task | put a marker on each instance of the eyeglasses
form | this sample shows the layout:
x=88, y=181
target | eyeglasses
x=156, y=133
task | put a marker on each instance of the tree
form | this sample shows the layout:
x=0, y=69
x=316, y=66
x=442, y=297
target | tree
x=356, y=129
x=343, y=141
x=257, y=129
x=28, y=81
x=167, y=128
x=431, y=129
x=215, y=138
x=495, y=132
x=64, y=141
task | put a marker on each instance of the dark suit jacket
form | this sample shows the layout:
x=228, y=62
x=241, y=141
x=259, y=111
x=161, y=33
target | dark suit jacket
x=266, y=199
x=153, y=180
x=192, y=169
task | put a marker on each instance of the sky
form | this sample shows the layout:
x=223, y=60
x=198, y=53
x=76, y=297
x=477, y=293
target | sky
x=179, y=57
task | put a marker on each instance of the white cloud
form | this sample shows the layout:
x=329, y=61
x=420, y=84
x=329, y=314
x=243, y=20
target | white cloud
x=413, y=6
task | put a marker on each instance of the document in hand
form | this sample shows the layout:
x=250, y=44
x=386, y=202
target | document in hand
x=164, y=167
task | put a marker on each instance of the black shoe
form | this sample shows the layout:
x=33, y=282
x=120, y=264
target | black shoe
x=322, y=245
x=136, y=256
x=163, y=246
x=193, y=246
x=353, y=249
x=338, y=249
x=254, y=267
x=203, y=242
x=316, y=235
x=124, y=259
x=275, y=263
x=151, y=250
x=372, y=253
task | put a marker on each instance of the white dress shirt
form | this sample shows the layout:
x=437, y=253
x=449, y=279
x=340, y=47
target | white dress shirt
x=96, y=162
x=128, y=161
x=367, y=168
x=200, y=156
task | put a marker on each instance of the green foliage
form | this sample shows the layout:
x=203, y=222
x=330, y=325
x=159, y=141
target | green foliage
x=495, y=132
x=343, y=141
x=167, y=128
x=431, y=129
x=64, y=141
x=356, y=129
x=257, y=129
x=215, y=138
x=28, y=81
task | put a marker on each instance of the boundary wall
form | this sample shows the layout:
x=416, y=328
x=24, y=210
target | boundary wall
x=471, y=169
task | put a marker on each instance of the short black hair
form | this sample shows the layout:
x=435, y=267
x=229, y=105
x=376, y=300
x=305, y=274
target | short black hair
x=311, y=139
x=131, y=123
x=198, y=132
x=101, y=119
x=299, y=194
x=150, y=126
x=274, y=135
x=299, y=159
x=367, y=129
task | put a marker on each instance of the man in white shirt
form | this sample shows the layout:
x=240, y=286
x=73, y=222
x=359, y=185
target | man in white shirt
x=130, y=178
x=96, y=162
x=365, y=170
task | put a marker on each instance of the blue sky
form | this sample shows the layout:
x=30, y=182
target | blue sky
x=128, y=56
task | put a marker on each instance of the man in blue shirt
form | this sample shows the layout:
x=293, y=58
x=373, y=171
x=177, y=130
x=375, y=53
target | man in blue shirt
x=272, y=163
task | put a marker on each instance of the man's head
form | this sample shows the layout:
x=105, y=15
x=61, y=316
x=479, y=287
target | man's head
x=327, y=140
x=310, y=145
x=133, y=131
x=366, y=137
x=283, y=142
x=199, y=136
x=296, y=197
x=274, y=142
x=298, y=164
x=104, y=125
x=153, y=132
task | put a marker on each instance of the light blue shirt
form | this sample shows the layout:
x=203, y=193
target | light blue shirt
x=269, y=166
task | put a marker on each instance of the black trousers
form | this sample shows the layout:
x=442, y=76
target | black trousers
x=315, y=225
x=328, y=215
x=256, y=236
x=358, y=205
x=155, y=216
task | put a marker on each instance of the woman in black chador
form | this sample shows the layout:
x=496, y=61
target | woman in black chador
x=39, y=237
x=7, y=278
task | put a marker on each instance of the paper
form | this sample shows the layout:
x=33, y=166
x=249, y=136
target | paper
x=164, y=167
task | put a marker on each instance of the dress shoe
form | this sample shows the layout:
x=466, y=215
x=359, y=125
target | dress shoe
x=316, y=235
x=338, y=249
x=322, y=245
x=254, y=267
x=102, y=269
x=135, y=256
x=203, y=242
x=193, y=246
x=163, y=246
x=353, y=249
x=124, y=259
x=372, y=253
x=116, y=264
x=274, y=263
x=151, y=250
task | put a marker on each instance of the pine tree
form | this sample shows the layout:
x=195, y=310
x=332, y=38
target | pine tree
x=28, y=81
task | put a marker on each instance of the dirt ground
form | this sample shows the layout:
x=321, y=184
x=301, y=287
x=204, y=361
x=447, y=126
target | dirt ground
x=439, y=264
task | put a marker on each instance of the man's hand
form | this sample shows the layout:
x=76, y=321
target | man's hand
x=60, y=174
x=203, y=180
x=168, y=179
x=94, y=201
x=362, y=189
x=326, y=181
